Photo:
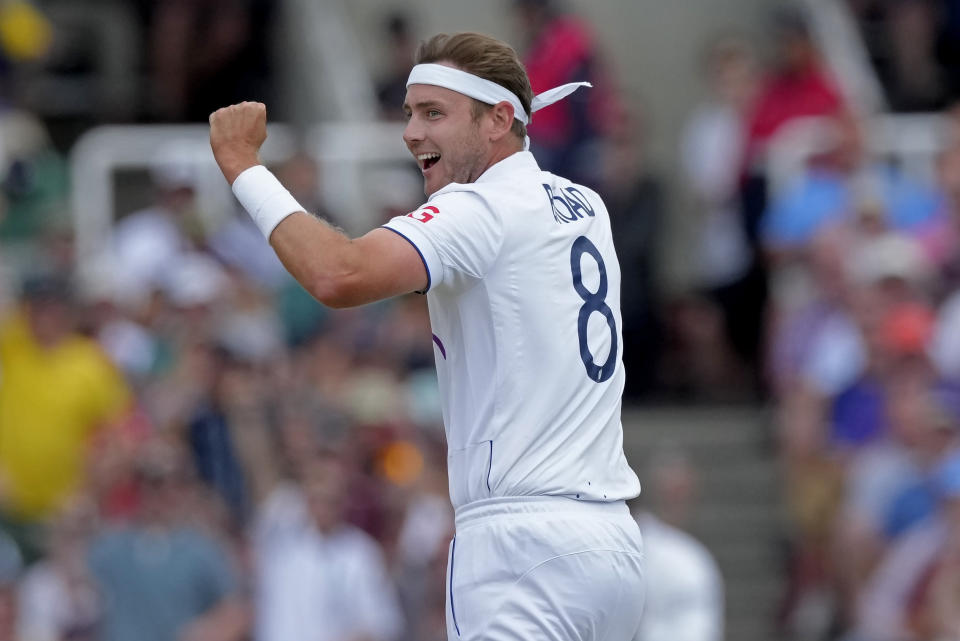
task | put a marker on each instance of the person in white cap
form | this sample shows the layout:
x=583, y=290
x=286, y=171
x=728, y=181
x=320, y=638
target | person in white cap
x=523, y=288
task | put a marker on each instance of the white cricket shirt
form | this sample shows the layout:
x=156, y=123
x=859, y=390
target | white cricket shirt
x=524, y=299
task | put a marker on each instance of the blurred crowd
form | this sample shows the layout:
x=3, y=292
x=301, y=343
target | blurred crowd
x=192, y=448
x=835, y=286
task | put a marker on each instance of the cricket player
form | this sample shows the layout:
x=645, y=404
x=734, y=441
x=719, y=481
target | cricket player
x=523, y=288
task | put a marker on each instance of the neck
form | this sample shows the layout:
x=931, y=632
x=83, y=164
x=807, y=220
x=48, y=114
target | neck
x=502, y=152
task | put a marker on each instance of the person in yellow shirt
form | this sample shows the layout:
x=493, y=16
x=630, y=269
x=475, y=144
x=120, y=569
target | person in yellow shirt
x=57, y=390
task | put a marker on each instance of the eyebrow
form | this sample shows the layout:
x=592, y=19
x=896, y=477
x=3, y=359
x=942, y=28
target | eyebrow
x=422, y=105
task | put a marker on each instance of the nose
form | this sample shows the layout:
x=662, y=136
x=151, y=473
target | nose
x=413, y=132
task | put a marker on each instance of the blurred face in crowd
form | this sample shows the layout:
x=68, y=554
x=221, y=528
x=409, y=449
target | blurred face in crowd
x=948, y=172
x=160, y=495
x=161, y=483
x=445, y=135
x=674, y=488
x=178, y=199
x=908, y=402
x=532, y=16
x=795, y=50
x=844, y=151
x=70, y=532
x=325, y=486
x=49, y=320
x=828, y=254
x=733, y=73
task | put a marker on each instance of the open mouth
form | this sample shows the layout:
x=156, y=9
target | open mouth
x=427, y=160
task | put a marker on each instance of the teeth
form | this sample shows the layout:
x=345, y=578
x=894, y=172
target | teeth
x=432, y=154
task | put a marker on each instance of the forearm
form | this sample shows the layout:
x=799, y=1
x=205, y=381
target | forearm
x=336, y=270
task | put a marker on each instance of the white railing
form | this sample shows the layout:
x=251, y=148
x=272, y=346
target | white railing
x=912, y=141
x=346, y=154
x=835, y=31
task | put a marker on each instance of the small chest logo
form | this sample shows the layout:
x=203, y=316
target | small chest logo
x=425, y=214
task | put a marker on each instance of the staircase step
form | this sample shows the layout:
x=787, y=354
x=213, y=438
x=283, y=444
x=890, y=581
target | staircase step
x=739, y=513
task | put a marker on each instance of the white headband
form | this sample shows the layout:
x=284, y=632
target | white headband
x=487, y=91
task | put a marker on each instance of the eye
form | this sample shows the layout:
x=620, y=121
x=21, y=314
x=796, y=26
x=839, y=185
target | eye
x=433, y=113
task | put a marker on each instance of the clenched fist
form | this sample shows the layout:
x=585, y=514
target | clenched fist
x=236, y=133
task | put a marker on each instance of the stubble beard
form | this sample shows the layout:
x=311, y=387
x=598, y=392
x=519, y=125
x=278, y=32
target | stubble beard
x=468, y=161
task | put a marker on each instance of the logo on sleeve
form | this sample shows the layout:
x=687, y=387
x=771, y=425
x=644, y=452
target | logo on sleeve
x=424, y=214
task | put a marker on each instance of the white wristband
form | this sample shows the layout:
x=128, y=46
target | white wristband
x=264, y=198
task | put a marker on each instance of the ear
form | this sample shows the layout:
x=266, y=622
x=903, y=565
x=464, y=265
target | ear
x=500, y=119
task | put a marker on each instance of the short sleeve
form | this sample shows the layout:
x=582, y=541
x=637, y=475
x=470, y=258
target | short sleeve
x=457, y=234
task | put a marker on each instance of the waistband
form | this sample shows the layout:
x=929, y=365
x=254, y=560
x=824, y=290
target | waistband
x=488, y=509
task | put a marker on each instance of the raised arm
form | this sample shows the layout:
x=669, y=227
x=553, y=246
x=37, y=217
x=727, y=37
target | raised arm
x=336, y=270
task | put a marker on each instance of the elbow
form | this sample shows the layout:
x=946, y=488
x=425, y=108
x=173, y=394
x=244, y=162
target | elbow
x=337, y=292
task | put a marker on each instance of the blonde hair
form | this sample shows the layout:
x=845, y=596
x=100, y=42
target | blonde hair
x=486, y=57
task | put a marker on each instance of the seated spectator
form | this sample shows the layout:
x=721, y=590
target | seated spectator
x=814, y=339
x=887, y=487
x=839, y=187
x=150, y=242
x=823, y=430
x=911, y=594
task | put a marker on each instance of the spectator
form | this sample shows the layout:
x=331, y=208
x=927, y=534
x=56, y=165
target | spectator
x=635, y=201
x=207, y=52
x=211, y=431
x=57, y=597
x=401, y=46
x=711, y=151
x=11, y=566
x=910, y=595
x=343, y=591
x=798, y=86
x=887, y=487
x=831, y=417
x=149, y=243
x=57, y=392
x=685, y=589
x=566, y=137
x=841, y=186
x=160, y=579
x=909, y=42
x=712, y=144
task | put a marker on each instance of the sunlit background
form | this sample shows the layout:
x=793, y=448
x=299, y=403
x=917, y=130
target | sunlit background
x=192, y=449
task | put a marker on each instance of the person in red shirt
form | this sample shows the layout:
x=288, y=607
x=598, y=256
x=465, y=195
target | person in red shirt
x=798, y=86
x=561, y=49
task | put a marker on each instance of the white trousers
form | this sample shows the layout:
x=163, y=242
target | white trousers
x=544, y=569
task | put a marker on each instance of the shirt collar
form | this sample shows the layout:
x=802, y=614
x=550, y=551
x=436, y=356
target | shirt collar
x=509, y=167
